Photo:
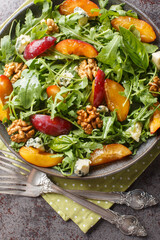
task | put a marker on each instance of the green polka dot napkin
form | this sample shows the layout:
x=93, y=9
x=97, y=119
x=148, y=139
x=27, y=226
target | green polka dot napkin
x=83, y=217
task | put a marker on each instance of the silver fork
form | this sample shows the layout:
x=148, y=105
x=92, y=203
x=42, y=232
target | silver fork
x=30, y=182
x=136, y=199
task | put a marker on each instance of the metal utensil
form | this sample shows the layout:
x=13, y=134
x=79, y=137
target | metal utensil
x=136, y=199
x=24, y=183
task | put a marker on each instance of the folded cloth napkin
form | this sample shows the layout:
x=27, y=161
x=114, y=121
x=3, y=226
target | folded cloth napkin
x=83, y=217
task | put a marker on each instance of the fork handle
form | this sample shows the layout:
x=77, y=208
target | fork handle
x=115, y=197
x=128, y=225
x=136, y=199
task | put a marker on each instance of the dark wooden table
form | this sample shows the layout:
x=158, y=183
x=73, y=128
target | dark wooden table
x=23, y=218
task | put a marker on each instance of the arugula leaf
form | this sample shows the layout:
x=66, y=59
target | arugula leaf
x=103, y=3
x=72, y=18
x=87, y=147
x=107, y=14
x=7, y=51
x=16, y=146
x=29, y=88
x=108, y=124
x=53, y=105
x=130, y=13
x=76, y=33
x=119, y=9
x=135, y=48
x=31, y=21
x=108, y=54
x=150, y=48
x=147, y=98
x=79, y=84
x=39, y=31
x=73, y=100
x=67, y=165
x=17, y=29
x=46, y=139
x=128, y=89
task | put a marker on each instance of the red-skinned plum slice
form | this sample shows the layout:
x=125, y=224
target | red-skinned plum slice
x=54, y=127
x=97, y=94
x=38, y=47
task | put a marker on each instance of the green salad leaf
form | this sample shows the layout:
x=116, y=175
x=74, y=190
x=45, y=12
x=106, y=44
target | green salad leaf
x=103, y=3
x=62, y=143
x=7, y=49
x=29, y=88
x=108, y=54
x=135, y=49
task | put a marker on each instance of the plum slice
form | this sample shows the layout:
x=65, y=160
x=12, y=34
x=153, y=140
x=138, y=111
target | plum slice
x=54, y=127
x=109, y=153
x=38, y=158
x=77, y=47
x=154, y=124
x=114, y=100
x=68, y=6
x=146, y=31
x=97, y=94
x=38, y=47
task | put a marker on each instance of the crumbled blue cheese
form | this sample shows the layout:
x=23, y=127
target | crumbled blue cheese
x=156, y=59
x=82, y=167
x=36, y=143
x=102, y=109
x=65, y=79
x=80, y=11
x=22, y=42
x=84, y=19
x=135, y=131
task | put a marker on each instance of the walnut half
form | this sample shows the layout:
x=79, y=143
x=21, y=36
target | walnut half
x=155, y=86
x=14, y=69
x=21, y=131
x=89, y=119
x=52, y=26
x=88, y=68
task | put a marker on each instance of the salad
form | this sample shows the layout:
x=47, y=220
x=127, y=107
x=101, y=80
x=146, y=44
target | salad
x=79, y=85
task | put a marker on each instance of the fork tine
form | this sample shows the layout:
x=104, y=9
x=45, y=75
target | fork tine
x=13, y=177
x=14, y=187
x=15, y=192
x=5, y=165
x=6, y=169
x=7, y=152
x=12, y=181
x=21, y=164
